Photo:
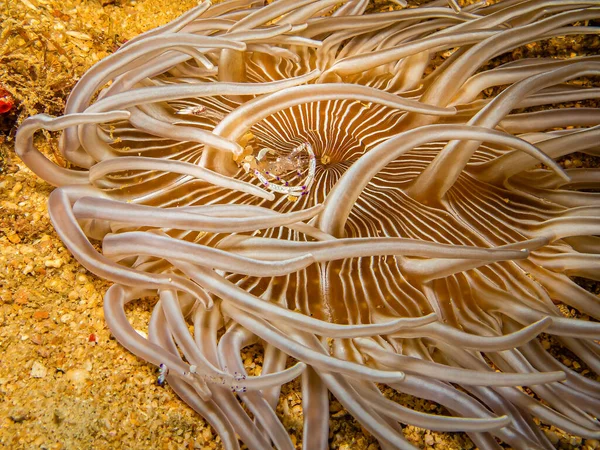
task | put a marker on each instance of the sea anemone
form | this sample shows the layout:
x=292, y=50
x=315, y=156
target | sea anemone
x=334, y=186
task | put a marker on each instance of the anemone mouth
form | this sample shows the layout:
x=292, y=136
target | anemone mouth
x=304, y=176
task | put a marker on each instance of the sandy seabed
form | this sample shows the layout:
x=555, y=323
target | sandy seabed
x=65, y=383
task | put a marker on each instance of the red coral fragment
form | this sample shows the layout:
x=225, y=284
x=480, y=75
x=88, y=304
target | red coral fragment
x=6, y=101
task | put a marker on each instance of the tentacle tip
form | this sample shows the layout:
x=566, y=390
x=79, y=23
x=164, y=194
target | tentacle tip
x=535, y=243
x=523, y=253
x=121, y=114
x=560, y=375
x=542, y=324
x=431, y=317
x=502, y=421
x=543, y=240
x=309, y=257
